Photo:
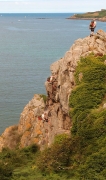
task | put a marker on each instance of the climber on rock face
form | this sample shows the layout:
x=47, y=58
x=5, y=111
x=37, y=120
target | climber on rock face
x=53, y=77
x=48, y=79
x=51, y=86
x=45, y=117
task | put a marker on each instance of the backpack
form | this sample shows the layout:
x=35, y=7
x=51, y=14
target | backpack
x=91, y=25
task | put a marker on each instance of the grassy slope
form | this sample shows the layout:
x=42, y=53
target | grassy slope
x=97, y=14
x=81, y=156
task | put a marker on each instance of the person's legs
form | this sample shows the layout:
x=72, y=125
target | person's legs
x=92, y=32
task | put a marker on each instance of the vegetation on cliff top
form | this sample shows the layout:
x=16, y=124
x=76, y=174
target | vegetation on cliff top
x=81, y=156
x=96, y=14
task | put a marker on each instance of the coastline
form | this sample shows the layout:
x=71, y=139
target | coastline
x=97, y=19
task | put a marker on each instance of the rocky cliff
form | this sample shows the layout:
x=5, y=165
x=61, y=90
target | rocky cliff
x=42, y=120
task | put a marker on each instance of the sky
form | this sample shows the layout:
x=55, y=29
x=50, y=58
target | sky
x=51, y=6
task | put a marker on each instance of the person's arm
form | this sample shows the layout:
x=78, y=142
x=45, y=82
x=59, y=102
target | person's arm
x=94, y=24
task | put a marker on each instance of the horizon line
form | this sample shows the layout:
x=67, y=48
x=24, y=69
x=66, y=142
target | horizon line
x=37, y=12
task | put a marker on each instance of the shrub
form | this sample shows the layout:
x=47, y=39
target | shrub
x=90, y=92
x=33, y=148
x=13, y=159
x=6, y=170
x=89, y=121
x=55, y=158
x=61, y=138
x=44, y=97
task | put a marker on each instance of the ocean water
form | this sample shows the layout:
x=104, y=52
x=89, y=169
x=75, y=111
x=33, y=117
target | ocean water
x=29, y=44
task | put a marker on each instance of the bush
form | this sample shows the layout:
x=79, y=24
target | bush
x=13, y=159
x=30, y=149
x=44, y=97
x=90, y=91
x=5, y=171
x=55, y=158
x=94, y=167
x=89, y=120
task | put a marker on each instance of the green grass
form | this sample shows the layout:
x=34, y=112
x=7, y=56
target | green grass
x=97, y=14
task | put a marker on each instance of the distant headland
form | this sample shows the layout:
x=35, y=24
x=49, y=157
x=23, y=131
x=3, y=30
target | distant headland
x=98, y=15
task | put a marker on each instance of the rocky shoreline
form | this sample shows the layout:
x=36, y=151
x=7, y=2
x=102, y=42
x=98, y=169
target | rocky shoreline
x=97, y=19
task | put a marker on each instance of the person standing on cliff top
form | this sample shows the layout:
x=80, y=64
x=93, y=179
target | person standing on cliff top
x=92, y=27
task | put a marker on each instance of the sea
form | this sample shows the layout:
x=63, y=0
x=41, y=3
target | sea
x=29, y=44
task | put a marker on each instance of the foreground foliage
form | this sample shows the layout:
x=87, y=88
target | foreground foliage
x=89, y=117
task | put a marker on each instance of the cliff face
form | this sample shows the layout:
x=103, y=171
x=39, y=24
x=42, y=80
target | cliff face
x=40, y=121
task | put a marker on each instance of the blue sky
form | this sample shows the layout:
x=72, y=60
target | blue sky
x=53, y=6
